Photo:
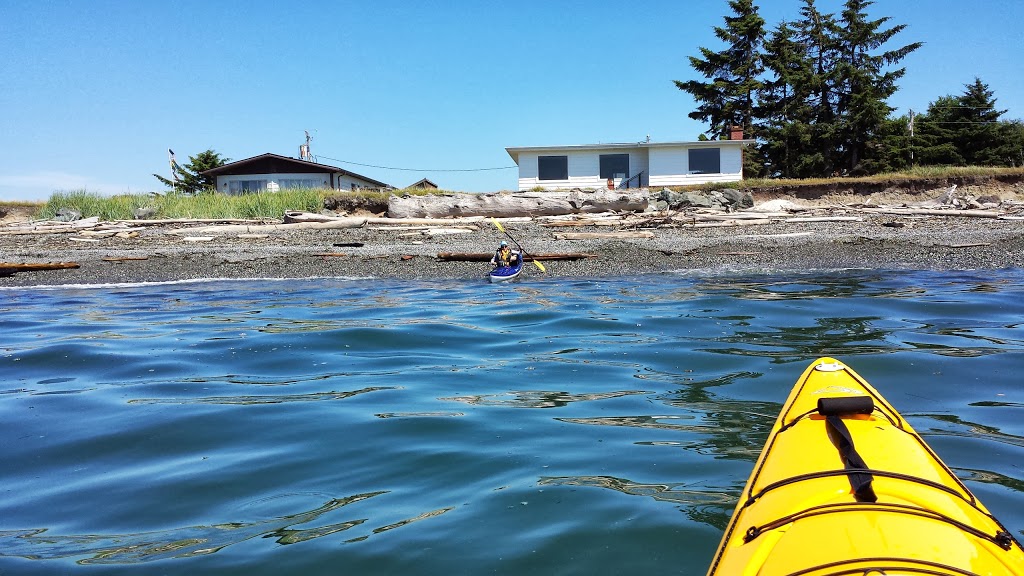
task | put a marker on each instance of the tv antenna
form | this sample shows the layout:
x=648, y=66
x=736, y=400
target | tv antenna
x=304, y=152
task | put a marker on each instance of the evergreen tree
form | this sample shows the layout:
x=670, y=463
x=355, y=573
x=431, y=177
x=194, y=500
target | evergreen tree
x=1010, y=150
x=189, y=179
x=813, y=128
x=935, y=134
x=784, y=112
x=728, y=98
x=966, y=130
x=891, y=151
x=863, y=85
x=978, y=131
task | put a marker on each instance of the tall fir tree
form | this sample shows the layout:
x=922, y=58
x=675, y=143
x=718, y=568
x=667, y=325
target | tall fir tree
x=966, y=130
x=978, y=131
x=783, y=112
x=815, y=125
x=728, y=97
x=863, y=82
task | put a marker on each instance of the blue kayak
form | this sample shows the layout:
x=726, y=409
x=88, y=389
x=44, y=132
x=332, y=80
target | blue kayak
x=505, y=273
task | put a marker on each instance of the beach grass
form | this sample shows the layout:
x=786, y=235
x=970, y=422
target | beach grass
x=258, y=205
x=273, y=205
x=167, y=206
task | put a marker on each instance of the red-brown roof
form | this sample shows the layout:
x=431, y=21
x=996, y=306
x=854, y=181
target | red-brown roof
x=276, y=164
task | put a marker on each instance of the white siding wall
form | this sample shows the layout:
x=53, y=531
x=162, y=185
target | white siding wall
x=584, y=168
x=346, y=182
x=670, y=167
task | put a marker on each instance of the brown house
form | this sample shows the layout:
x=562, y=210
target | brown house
x=270, y=172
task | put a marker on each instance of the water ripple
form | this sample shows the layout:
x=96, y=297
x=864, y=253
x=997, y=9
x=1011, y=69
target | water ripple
x=267, y=399
x=538, y=398
x=39, y=544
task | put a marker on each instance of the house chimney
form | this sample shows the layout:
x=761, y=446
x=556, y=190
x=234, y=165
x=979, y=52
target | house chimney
x=736, y=133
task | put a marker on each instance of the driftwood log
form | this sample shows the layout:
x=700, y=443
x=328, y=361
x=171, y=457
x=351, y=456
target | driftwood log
x=9, y=268
x=486, y=256
x=933, y=212
x=603, y=235
x=505, y=204
x=260, y=228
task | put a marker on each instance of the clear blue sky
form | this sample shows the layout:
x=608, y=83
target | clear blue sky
x=93, y=93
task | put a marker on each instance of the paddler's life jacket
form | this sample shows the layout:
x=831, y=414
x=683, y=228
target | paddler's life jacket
x=503, y=257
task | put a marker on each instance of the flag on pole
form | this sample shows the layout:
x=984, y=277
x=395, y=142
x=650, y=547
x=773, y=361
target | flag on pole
x=174, y=173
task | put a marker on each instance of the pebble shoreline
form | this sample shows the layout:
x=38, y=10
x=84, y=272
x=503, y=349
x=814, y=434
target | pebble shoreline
x=933, y=243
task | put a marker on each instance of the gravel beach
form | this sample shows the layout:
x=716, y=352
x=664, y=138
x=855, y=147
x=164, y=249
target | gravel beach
x=876, y=242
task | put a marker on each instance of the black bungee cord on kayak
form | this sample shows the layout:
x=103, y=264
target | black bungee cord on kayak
x=853, y=463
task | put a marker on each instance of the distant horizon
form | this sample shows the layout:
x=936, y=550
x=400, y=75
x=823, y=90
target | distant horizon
x=399, y=92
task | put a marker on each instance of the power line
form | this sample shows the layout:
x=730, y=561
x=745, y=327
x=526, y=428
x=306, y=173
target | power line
x=967, y=107
x=918, y=120
x=419, y=169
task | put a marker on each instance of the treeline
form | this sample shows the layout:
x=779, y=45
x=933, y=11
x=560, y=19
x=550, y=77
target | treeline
x=814, y=93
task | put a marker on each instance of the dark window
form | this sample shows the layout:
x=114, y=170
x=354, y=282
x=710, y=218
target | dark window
x=614, y=165
x=553, y=167
x=705, y=160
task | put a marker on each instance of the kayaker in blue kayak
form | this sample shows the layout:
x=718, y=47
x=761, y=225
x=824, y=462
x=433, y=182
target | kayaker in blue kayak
x=504, y=256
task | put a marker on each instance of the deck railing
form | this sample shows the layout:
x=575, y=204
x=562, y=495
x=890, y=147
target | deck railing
x=627, y=183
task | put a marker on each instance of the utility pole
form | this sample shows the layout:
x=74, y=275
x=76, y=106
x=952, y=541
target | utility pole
x=911, y=138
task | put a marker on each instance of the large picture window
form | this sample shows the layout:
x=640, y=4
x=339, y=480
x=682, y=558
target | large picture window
x=297, y=183
x=705, y=160
x=240, y=186
x=553, y=167
x=614, y=165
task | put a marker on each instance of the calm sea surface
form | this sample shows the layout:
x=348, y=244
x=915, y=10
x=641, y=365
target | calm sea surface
x=552, y=426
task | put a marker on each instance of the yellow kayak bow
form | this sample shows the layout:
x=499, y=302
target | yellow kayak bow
x=844, y=485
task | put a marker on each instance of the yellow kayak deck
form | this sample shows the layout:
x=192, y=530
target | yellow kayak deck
x=845, y=486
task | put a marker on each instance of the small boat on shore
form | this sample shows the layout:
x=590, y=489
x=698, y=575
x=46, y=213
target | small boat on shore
x=506, y=273
x=844, y=485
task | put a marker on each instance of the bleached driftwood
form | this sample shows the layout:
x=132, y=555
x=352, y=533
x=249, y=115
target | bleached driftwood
x=52, y=227
x=107, y=232
x=733, y=216
x=825, y=219
x=94, y=227
x=728, y=223
x=261, y=228
x=933, y=212
x=516, y=203
x=167, y=221
x=603, y=235
x=469, y=220
x=449, y=231
x=583, y=222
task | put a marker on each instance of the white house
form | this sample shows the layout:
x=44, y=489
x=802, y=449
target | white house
x=270, y=172
x=631, y=165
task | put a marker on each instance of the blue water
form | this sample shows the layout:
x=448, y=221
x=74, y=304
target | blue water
x=548, y=426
